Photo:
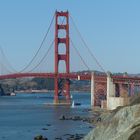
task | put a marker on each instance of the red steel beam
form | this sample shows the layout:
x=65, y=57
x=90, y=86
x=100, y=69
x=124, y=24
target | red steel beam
x=100, y=78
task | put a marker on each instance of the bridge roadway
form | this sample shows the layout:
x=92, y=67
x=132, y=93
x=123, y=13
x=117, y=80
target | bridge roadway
x=47, y=75
x=75, y=76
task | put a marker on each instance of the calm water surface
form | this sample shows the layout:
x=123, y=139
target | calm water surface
x=24, y=116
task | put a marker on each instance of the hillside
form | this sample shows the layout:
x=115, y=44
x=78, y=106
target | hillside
x=10, y=85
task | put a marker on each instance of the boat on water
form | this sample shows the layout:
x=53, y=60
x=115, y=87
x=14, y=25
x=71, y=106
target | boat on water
x=12, y=94
x=74, y=103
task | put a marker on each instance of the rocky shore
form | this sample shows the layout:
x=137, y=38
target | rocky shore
x=67, y=137
x=120, y=124
x=93, y=119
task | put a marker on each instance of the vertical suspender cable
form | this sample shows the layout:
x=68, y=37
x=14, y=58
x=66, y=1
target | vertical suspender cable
x=39, y=47
x=8, y=63
x=43, y=57
x=79, y=55
x=85, y=44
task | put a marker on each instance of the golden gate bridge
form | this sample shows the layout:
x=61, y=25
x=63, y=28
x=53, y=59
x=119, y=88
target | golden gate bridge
x=63, y=41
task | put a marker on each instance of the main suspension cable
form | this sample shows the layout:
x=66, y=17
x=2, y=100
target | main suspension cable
x=62, y=21
x=52, y=43
x=40, y=46
x=85, y=44
x=10, y=66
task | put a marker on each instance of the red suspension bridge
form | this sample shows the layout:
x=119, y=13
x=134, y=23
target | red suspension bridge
x=62, y=43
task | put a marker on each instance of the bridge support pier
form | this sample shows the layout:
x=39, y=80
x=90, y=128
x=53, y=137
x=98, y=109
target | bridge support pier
x=98, y=91
x=92, y=90
x=132, y=86
x=110, y=90
x=56, y=101
x=120, y=89
x=114, y=101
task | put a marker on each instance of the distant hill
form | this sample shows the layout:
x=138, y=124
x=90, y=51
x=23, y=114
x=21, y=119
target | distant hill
x=42, y=83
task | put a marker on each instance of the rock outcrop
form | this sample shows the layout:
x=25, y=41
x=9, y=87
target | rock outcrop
x=121, y=124
x=1, y=91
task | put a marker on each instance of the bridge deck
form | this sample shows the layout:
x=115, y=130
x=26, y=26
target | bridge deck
x=76, y=76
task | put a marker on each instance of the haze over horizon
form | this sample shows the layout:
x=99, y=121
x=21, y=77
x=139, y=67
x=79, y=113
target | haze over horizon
x=110, y=28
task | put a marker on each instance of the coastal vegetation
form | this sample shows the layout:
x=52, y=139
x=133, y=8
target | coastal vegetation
x=29, y=84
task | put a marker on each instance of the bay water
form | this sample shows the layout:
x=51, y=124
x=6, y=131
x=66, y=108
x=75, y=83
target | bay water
x=24, y=116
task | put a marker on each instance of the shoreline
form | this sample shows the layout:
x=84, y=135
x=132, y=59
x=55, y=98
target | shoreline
x=46, y=91
x=75, y=136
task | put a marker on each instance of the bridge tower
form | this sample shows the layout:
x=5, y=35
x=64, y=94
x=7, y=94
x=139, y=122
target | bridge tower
x=65, y=90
